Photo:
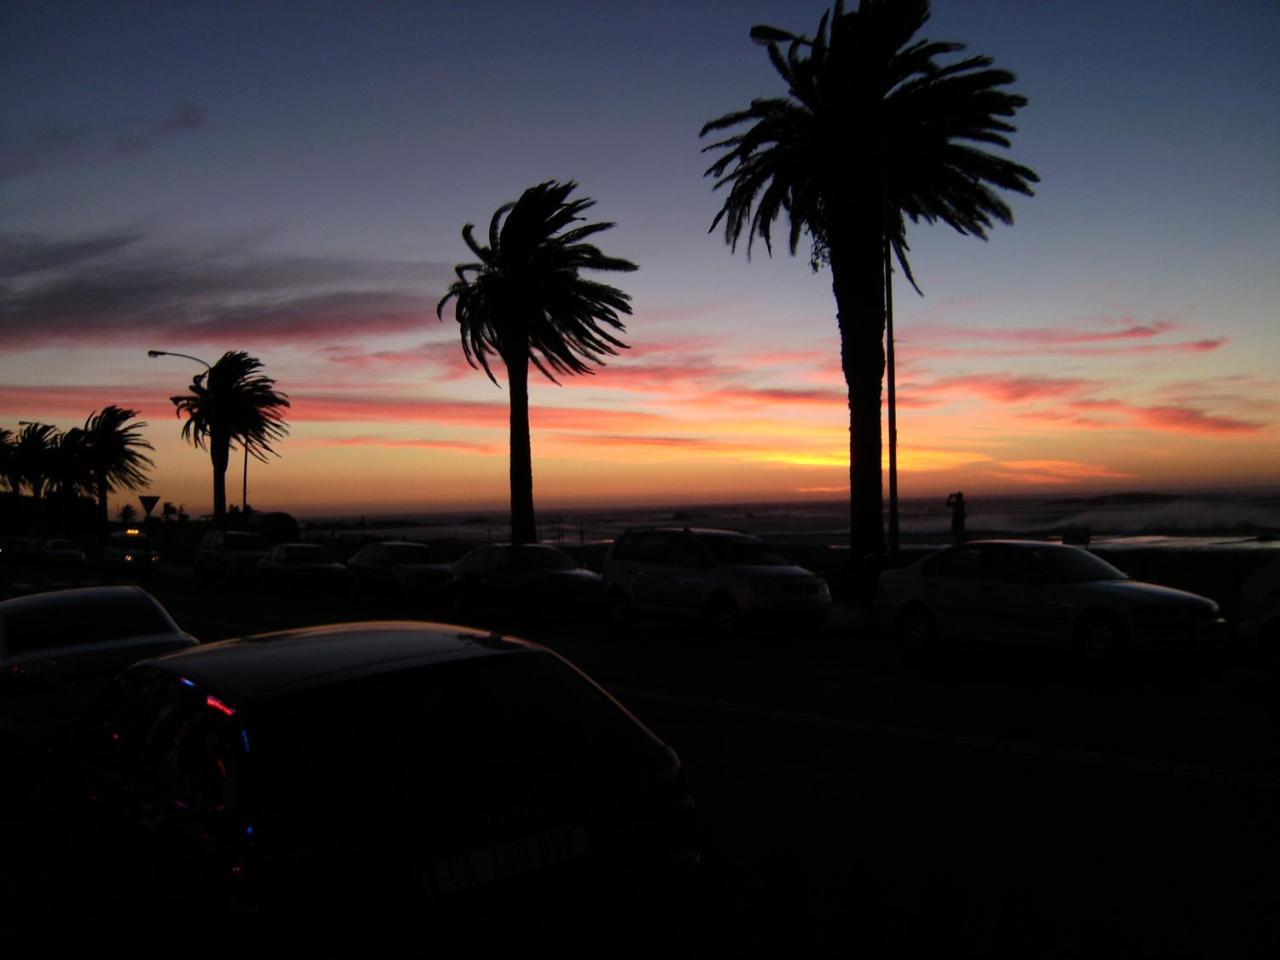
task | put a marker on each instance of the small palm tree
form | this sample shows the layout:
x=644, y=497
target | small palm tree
x=525, y=302
x=9, y=474
x=874, y=130
x=112, y=455
x=35, y=454
x=232, y=402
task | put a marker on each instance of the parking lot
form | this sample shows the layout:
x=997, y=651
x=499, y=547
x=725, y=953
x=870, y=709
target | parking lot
x=983, y=803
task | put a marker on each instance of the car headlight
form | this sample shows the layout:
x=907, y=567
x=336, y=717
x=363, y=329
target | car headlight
x=824, y=590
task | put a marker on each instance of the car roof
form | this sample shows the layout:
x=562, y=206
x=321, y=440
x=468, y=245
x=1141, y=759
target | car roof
x=518, y=546
x=77, y=595
x=1038, y=544
x=259, y=667
x=695, y=531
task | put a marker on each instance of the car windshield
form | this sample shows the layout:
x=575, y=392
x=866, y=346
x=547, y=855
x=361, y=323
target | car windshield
x=237, y=540
x=537, y=558
x=448, y=727
x=69, y=624
x=305, y=553
x=744, y=552
x=1071, y=565
x=408, y=553
x=130, y=541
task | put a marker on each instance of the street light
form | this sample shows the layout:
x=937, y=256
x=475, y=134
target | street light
x=185, y=356
x=244, y=489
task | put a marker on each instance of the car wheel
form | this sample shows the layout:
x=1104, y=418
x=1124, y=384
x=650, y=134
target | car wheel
x=722, y=614
x=916, y=629
x=1100, y=638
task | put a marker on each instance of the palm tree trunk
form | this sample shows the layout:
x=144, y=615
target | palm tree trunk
x=523, y=526
x=857, y=271
x=219, y=454
x=104, y=513
x=891, y=382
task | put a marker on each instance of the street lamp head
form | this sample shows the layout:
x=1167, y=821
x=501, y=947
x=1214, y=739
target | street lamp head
x=184, y=356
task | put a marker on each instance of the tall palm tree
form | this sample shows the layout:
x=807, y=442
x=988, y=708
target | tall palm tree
x=874, y=130
x=112, y=455
x=525, y=302
x=232, y=401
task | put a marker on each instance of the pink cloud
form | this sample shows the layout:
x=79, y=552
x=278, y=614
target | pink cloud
x=353, y=407
x=1107, y=337
x=484, y=449
x=1005, y=388
x=77, y=402
x=446, y=360
x=1191, y=420
x=636, y=440
x=780, y=395
x=1056, y=471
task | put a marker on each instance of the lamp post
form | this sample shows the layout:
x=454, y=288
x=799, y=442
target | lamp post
x=244, y=488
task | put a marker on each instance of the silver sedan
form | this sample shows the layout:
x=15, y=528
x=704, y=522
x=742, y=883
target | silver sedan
x=1048, y=594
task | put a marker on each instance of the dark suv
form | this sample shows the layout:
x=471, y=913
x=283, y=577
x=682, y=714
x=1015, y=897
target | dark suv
x=721, y=575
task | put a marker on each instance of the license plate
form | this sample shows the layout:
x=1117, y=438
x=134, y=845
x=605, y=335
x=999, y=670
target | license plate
x=514, y=858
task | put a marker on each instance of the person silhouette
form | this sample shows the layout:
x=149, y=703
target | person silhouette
x=956, y=502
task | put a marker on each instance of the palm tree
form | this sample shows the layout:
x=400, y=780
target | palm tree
x=34, y=455
x=874, y=130
x=9, y=474
x=232, y=401
x=524, y=302
x=112, y=455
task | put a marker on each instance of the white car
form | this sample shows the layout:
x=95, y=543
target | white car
x=728, y=579
x=1038, y=593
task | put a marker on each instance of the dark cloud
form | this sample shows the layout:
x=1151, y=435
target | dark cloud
x=36, y=149
x=26, y=254
x=118, y=288
x=185, y=115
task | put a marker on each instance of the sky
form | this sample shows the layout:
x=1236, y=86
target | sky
x=291, y=179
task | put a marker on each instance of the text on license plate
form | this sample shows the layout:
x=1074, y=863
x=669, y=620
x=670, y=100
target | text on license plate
x=481, y=865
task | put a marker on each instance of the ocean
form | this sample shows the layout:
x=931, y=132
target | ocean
x=1238, y=519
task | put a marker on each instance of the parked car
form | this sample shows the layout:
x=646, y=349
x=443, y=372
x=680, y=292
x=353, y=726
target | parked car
x=1039, y=593
x=229, y=553
x=532, y=579
x=62, y=553
x=129, y=552
x=18, y=549
x=58, y=649
x=372, y=771
x=722, y=576
x=400, y=568
x=300, y=566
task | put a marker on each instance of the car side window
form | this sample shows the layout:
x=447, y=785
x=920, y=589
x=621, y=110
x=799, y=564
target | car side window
x=649, y=547
x=1001, y=564
x=959, y=563
x=684, y=551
